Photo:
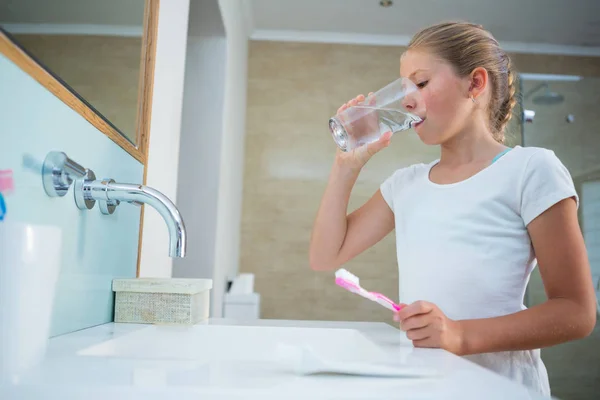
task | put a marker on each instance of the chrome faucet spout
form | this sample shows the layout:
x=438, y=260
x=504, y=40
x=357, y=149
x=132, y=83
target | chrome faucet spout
x=59, y=172
x=112, y=193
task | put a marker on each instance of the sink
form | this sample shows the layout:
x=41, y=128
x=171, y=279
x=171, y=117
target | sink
x=223, y=343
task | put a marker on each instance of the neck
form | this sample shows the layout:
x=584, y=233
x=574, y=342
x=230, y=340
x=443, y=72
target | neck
x=475, y=143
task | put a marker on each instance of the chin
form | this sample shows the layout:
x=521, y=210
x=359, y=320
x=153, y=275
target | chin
x=429, y=138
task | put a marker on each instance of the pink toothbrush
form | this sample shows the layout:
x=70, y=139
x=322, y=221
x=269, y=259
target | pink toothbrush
x=351, y=283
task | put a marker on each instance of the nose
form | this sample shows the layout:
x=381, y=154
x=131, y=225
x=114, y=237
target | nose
x=409, y=102
x=413, y=102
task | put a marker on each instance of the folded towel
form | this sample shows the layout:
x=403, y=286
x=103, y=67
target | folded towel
x=304, y=360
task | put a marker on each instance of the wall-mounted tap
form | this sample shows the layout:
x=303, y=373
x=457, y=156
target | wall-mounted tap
x=59, y=171
x=109, y=194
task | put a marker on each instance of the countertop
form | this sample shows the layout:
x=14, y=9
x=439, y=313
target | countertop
x=70, y=372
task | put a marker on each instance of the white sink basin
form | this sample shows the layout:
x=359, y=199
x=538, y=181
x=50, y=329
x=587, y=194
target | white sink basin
x=209, y=343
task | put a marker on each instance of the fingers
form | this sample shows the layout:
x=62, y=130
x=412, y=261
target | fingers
x=358, y=99
x=415, y=322
x=418, y=307
x=372, y=100
x=382, y=142
x=419, y=334
x=428, y=342
x=385, y=139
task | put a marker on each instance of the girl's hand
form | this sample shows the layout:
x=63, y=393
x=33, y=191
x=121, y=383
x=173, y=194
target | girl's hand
x=358, y=157
x=427, y=326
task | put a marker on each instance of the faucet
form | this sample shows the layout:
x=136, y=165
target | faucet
x=109, y=194
x=59, y=171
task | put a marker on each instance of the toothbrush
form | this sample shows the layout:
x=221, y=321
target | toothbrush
x=351, y=283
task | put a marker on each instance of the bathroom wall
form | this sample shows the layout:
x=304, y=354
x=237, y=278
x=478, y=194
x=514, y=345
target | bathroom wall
x=212, y=143
x=165, y=130
x=209, y=134
x=293, y=88
x=229, y=211
x=201, y=138
x=96, y=248
x=107, y=77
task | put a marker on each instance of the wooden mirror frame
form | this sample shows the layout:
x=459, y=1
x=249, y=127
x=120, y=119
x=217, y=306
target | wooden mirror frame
x=139, y=151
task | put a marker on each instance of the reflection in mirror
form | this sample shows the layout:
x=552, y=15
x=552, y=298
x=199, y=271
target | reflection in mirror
x=94, y=47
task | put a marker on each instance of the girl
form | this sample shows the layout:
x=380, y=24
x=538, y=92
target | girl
x=471, y=226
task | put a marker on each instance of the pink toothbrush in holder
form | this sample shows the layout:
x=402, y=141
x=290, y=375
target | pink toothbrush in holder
x=351, y=283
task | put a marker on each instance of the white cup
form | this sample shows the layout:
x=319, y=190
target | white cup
x=30, y=259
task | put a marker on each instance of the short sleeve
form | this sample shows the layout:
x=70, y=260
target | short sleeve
x=394, y=183
x=546, y=181
x=387, y=189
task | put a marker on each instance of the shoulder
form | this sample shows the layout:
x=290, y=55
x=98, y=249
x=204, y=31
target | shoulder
x=525, y=163
x=401, y=179
x=536, y=156
x=410, y=173
x=541, y=163
x=544, y=181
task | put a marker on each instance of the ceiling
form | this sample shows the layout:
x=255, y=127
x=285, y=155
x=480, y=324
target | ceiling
x=563, y=24
x=552, y=26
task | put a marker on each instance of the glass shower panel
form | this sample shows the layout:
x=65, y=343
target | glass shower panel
x=567, y=121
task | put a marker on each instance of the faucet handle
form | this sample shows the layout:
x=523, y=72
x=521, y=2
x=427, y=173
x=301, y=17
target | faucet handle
x=83, y=198
x=58, y=172
x=108, y=206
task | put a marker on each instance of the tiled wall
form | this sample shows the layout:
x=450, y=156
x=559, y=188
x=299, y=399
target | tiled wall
x=96, y=248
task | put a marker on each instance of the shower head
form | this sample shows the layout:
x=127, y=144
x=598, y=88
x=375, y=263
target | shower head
x=548, y=97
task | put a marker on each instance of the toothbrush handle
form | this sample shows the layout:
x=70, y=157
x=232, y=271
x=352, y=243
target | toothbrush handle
x=389, y=304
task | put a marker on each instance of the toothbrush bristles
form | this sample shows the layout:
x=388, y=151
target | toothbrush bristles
x=344, y=274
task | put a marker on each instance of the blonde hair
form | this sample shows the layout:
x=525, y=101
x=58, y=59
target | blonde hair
x=467, y=46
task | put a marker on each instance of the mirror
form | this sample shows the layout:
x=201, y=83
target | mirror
x=95, y=48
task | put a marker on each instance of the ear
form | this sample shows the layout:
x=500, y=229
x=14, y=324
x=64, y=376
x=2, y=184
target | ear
x=479, y=81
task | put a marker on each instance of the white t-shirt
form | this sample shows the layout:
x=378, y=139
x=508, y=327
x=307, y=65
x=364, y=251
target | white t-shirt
x=465, y=246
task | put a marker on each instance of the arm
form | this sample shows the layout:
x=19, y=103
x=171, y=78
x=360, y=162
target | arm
x=338, y=237
x=570, y=311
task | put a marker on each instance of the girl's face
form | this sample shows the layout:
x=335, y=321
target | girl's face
x=447, y=105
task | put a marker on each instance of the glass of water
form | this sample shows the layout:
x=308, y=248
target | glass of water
x=396, y=107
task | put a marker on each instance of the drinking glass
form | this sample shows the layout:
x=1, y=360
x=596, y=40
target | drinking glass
x=396, y=107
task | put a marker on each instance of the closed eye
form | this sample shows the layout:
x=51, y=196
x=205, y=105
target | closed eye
x=421, y=85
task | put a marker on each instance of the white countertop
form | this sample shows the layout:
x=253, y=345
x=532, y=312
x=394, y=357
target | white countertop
x=72, y=371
